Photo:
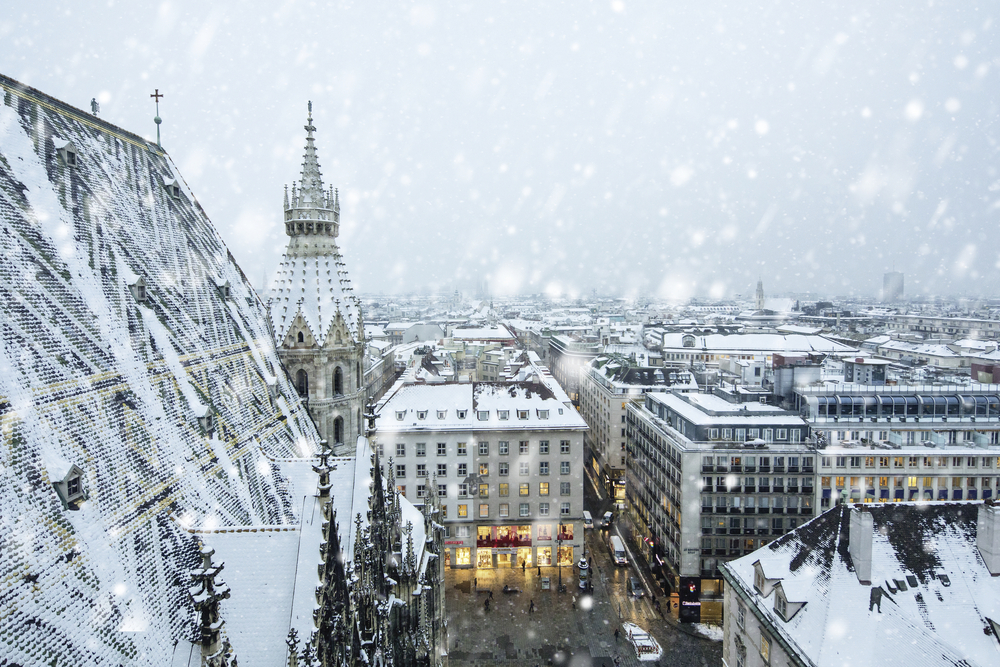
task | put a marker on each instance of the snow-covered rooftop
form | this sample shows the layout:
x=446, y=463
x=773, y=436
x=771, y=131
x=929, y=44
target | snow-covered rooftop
x=93, y=376
x=937, y=616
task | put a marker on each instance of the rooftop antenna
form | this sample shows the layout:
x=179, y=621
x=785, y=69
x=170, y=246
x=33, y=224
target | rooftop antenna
x=156, y=96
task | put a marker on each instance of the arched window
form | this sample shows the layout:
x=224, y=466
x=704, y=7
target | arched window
x=338, y=381
x=302, y=337
x=338, y=430
x=302, y=382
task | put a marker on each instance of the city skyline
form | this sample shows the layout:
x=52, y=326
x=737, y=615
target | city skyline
x=562, y=149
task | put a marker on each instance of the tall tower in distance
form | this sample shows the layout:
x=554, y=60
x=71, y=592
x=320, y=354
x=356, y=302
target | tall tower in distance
x=892, y=286
x=759, y=300
x=316, y=317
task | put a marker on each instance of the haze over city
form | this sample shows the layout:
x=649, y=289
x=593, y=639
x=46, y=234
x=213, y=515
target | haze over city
x=631, y=148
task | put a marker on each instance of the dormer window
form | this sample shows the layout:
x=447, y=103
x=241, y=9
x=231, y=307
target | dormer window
x=421, y=414
x=68, y=484
x=442, y=414
x=503, y=414
x=543, y=414
x=172, y=187
x=781, y=605
x=461, y=413
x=207, y=422
x=522, y=414
x=400, y=415
x=483, y=415
x=758, y=580
x=138, y=289
x=66, y=151
x=223, y=287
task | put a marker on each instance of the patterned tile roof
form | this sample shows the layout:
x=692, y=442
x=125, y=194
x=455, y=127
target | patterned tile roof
x=118, y=346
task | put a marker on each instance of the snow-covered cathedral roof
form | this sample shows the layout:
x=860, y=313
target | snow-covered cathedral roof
x=120, y=356
x=311, y=280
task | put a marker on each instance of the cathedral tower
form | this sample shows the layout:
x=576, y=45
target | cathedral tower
x=316, y=317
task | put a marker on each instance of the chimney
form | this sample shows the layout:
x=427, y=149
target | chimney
x=859, y=543
x=988, y=536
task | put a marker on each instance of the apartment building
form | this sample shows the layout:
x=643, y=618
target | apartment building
x=567, y=357
x=707, y=481
x=607, y=385
x=505, y=461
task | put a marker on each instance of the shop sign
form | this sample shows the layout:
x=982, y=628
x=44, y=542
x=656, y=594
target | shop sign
x=690, y=604
x=454, y=541
x=511, y=551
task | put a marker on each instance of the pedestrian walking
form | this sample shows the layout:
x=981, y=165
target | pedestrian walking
x=531, y=607
x=523, y=564
x=617, y=632
x=487, y=604
x=475, y=583
x=539, y=570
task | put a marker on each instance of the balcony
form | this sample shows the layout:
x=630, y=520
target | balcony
x=780, y=489
x=734, y=531
x=749, y=468
x=807, y=490
x=763, y=510
x=764, y=468
x=793, y=468
x=778, y=510
x=807, y=469
x=764, y=489
x=708, y=468
x=779, y=468
x=737, y=468
x=749, y=489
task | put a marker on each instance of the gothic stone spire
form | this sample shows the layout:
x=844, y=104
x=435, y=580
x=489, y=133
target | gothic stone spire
x=312, y=211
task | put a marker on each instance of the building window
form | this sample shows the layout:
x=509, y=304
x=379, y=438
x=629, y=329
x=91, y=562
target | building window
x=461, y=413
x=504, y=468
x=400, y=414
x=442, y=413
x=421, y=414
x=504, y=489
x=504, y=510
x=442, y=449
x=524, y=489
x=564, y=509
x=400, y=449
x=483, y=415
x=564, y=467
x=523, y=468
x=543, y=446
x=765, y=649
x=564, y=488
x=484, y=511
x=781, y=606
x=463, y=469
x=442, y=470
x=463, y=490
x=503, y=415
x=543, y=414
x=463, y=511
x=402, y=489
x=504, y=447
x=522, y=414
x=524, y=510
x=543, y=488
x=543, y=509
x=461, y=449
x=421, y=470
x=564, y=446
x=421, y=491
x=484, y=469
x=782, y=433
x=741, y=615
x=523, y=447
x=484, y=449
x=400, y=470
x=543, y=468
x=442, y=490
x=421, y=449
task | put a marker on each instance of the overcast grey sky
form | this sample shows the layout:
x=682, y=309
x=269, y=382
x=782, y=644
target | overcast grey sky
x=635, y=148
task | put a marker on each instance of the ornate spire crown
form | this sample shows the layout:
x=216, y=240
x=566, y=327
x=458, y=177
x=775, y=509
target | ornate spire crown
x=312, y=210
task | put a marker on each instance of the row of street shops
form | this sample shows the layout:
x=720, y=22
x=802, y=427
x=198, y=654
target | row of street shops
x=526, y=545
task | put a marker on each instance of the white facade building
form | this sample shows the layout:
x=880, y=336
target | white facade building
x=505, y=461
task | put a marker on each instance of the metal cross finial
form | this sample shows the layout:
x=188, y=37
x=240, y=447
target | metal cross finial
x=310, y=110
x=156, y=96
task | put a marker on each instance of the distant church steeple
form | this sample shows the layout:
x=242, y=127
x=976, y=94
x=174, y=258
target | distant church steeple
x=760, y=294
